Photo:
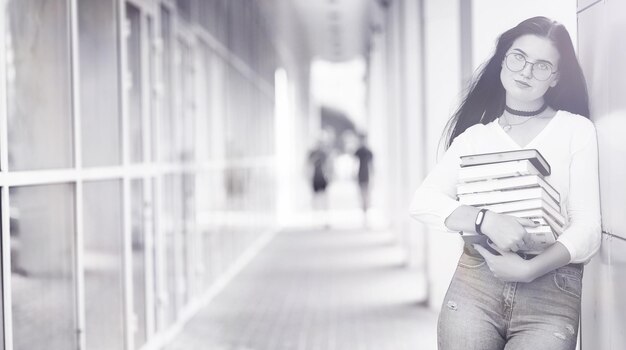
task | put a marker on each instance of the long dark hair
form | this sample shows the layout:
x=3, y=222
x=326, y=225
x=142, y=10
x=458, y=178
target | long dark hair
x=486, y=98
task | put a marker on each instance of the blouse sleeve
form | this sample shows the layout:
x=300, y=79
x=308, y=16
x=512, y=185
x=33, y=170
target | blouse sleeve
x=435, y=199
x=582, y=236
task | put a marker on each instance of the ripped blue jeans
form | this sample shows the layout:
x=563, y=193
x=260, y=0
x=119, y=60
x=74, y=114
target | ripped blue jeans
x=481, y=312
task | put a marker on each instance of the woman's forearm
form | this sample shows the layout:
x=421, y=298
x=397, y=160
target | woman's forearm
x=462, y=219
x=551, y=259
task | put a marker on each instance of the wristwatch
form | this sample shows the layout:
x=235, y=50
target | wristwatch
x=479, y=221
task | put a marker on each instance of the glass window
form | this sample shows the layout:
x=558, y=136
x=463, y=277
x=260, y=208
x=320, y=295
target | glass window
x=188, y=199
x=218, y=100
x=103, y=265
x=158, y=279
x=203, y=128
x=42, y=269
x=38, y=84
x=100, y=122
x=205, y=14
x=139, y=258
x=184, y=9
x=172, y=226
x=166, y=124
x=154, y=49
x=180, y=246
x=209, y=194
x=186, y=76
x=134, y=82
x=168, y=230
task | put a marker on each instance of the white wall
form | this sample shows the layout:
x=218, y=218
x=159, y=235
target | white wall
x=602, y=25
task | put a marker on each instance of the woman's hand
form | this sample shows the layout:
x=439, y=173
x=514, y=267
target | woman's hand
x=508, y=267
x=506, y=231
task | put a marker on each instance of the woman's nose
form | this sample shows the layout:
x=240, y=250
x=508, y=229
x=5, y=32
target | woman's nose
x=527, y=71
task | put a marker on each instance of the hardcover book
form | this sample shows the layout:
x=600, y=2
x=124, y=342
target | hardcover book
x=507, y=183
x=532, y=155
x=512, y=183
x=509, y=195
x=542, y=217
x=528, y=204
x=497, y=171
x=539, y=238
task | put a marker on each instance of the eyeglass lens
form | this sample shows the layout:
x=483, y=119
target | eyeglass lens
x=540, y=70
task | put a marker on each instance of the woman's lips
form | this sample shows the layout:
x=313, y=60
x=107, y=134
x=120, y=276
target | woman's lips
x=522, y=84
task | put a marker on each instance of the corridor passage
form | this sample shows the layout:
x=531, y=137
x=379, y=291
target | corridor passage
x=317, y=290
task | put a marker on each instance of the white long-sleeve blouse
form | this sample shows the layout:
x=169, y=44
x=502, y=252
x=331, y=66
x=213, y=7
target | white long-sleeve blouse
x=568, y=142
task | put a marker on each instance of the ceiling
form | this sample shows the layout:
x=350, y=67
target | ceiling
x=336, y=30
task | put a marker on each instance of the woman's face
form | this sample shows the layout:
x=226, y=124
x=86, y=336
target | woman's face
x=541, y=56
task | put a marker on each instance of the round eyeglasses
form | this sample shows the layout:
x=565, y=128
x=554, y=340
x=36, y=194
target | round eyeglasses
x=516, y=62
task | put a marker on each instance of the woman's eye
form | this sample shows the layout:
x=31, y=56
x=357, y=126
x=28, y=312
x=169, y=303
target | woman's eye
x=519, y=57
x=542, y=66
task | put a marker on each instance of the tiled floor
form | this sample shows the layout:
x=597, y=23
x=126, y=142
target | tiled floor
x=317, y=290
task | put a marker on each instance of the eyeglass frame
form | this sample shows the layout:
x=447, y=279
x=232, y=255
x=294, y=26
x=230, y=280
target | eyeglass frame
x=532, y=66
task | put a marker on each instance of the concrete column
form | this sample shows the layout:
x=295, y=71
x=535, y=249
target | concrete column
x=442, y=52
x=397, y=121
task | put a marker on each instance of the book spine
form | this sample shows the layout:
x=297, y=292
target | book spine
x=510, y=195
x=511, y=183
x=532, y=155
x=551, y=190
x=496, y=171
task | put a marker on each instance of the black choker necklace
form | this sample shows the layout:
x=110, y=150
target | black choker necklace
x=526, y=113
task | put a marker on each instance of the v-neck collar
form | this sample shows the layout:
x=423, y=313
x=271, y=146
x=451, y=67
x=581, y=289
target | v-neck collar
x=533, y=140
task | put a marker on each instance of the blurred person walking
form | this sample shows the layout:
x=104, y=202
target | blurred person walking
x=365, y=157
x=531, y=94
x=319, y=165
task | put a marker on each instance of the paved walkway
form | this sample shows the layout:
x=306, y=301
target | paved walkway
x=317, y=290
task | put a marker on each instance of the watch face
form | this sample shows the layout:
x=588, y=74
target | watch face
x=479, y=217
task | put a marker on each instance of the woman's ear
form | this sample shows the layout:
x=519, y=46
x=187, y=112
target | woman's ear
x=555, y=81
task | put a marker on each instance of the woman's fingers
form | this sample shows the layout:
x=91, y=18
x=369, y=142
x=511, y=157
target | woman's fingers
x=527, y=239
x=495, y=247
x=500, y=250
x=512, y=245
x=527, y=222
x=484, y=252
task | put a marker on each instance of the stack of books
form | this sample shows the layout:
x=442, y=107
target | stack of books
x=513, y=183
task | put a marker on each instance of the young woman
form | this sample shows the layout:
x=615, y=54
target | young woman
x=530, y=94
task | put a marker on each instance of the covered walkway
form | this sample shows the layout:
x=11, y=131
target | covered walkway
x=156, y=169
x=327, y=289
